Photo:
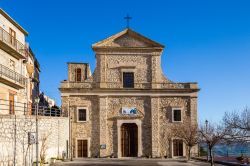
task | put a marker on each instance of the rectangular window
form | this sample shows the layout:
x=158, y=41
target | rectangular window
x=177, y=115
x=78, y=75
x=12, y=64
x=128, y=79
x=82, y=115
x=178, y=147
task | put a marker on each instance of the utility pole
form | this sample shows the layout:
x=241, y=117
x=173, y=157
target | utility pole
x=15, y=141
x=70, y=132
x=37, y=142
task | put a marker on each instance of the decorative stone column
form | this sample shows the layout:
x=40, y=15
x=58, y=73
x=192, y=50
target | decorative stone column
x=103, y=125
x=155, y=126
x=138, y=123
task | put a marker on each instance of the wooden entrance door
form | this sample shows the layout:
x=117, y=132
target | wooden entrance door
x=178, y=147
x=82, y=148
x=12, y=37
x=11, y=103
x=129, y=140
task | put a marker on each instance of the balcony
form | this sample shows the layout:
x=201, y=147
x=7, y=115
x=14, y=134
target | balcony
x=12, y=78
x=119, y=85
x=11, y=45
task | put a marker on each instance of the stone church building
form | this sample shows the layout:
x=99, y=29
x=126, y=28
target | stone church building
x=126, y=107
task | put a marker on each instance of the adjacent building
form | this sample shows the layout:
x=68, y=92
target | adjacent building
x=125, y=108
x=19, y=69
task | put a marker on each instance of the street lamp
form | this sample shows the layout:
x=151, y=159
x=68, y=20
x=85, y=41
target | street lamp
x=37, y=99
x=206, y=123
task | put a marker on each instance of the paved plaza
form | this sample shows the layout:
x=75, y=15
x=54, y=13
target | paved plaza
x=131, y=162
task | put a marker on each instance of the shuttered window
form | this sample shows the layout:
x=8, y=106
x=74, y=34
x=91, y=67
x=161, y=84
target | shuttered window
x=78, y=74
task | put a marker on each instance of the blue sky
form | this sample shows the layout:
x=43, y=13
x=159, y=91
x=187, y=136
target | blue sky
x=206, y=41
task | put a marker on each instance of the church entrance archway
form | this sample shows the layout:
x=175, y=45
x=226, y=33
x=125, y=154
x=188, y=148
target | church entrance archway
x=129, y=140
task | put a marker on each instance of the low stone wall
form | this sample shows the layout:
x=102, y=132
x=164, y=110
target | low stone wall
x=14, y=148
x=219, y=162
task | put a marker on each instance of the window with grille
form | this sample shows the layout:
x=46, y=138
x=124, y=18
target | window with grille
x=128, y=79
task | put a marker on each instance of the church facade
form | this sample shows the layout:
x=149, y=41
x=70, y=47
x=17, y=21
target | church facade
x=126, y=107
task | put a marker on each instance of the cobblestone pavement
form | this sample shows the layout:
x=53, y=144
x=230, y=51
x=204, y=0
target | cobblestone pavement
x=131, y=162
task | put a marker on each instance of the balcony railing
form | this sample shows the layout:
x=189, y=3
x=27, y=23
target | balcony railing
x=118, y=85
x=12, y=42
x=11, y=74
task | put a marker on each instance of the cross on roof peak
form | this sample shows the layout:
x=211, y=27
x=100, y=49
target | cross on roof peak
x=128, y=18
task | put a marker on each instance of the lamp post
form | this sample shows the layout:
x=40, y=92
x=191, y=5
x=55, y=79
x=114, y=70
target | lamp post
x=37, y=142
x=206, y=123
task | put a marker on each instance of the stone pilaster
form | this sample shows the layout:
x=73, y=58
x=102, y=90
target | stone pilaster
x=102, y=70
x=155, y=70
x=193, y=109
x=155, y=126
x=103, y=125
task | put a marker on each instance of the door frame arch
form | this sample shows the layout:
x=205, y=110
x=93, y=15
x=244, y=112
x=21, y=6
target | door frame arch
x=138, y=123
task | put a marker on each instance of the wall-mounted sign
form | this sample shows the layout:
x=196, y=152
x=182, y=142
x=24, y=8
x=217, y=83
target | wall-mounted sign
x=31, y=138
x=103, y=146
x=129, y=110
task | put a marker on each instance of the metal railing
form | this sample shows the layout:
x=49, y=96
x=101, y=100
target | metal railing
x=12, y=42
x=137, y=85
x=11, y=74
x=8, y=107
x=46, y=111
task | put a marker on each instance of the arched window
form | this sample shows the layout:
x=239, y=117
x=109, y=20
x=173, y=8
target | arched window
x=78, y=75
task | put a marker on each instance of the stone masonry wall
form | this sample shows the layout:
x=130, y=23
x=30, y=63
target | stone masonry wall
x=165, y=118
x=14, y=138
x=84, y=130
x=114, y=108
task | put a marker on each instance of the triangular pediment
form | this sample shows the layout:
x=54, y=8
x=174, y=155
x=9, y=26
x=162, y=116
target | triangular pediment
x=127, y=39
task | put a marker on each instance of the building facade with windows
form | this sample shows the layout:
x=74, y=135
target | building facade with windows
x=126, y=107
x=18, y=68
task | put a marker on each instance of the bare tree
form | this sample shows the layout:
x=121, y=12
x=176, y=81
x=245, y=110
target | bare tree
x=212, y=134
x=189, y=133
x=44, y=146
x=238, y=124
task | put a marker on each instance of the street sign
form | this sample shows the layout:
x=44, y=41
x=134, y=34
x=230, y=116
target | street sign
x=103, y=146
x=31, y=138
